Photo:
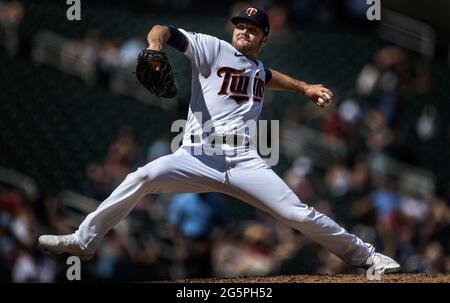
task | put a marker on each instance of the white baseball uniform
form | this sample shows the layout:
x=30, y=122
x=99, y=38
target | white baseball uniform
x=228, y=90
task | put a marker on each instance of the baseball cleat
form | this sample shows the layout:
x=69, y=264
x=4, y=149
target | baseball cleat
x=64, y=244
x=383, y=264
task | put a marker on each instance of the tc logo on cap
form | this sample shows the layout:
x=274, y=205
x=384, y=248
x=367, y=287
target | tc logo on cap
x=251, y=11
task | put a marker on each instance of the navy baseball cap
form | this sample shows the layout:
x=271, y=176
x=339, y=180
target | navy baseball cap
x=254, y=15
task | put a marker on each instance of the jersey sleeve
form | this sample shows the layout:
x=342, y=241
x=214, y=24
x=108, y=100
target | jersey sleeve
x=203, y=50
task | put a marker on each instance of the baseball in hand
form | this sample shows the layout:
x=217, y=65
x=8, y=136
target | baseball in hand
x=322, y=102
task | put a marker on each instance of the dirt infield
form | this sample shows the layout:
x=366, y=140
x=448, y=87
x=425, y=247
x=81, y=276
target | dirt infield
x=393, y=278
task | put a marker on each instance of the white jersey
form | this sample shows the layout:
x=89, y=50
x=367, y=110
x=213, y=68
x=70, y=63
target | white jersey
x=227, y=89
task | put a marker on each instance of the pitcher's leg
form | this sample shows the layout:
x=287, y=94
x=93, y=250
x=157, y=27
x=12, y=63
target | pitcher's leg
x=175, y=173
x=267, y=191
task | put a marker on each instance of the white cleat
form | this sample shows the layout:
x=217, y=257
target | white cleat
x=383, y=264
x=64, y=244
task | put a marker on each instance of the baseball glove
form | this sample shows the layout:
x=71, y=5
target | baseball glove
x=154, y=72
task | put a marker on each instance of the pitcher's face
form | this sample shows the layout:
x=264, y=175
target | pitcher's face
x=248, y=38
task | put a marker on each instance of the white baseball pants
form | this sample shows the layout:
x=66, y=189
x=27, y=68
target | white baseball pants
x=244, y=175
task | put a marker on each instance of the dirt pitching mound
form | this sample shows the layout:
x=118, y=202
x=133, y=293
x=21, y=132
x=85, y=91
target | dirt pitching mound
x=392, y=278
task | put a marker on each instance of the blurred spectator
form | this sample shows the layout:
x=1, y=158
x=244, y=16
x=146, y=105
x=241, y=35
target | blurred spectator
x=90, y=45
x=361, y=179
x=33, y=268
x=54, y=218
x=11, y=14
x=253, y=249
x=11, y=201
x=332, y=125
x=384, y=73
x=158, y=148
x=385, y=80
x=98, y=183
x=426, y=124
x=376, y=132
x=338, y=180
x=350, y=111
x=18, y=234
x=434, y=258
x=192, y=219
x=121, y=157
x=424, y=81
x=23, y=227
x=386, y=202
x=25, y=269
x=278, y=19
x=108, y=60
x=130, y=49
x=414, y=207
x=82, y=55
x=109, y=256
x=297, y=178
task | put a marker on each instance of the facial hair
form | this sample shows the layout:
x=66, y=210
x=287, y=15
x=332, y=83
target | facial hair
x=248, y=49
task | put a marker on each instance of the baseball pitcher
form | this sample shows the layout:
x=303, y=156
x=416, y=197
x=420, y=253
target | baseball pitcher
x=228, y=84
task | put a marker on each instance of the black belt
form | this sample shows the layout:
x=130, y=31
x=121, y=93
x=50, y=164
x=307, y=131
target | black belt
x=221, y=139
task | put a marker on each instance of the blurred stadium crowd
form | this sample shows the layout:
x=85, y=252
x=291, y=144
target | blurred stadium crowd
x=375, y=161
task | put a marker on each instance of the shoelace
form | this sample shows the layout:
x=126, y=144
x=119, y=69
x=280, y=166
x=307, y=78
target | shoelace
x=381, y=258
x=66, y=240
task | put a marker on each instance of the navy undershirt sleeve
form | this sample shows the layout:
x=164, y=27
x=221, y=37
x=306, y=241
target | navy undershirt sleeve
x=268, y=75
x=177, y=39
